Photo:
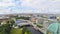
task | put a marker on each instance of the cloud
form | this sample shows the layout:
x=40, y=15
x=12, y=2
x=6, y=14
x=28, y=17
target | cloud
x=30, y=6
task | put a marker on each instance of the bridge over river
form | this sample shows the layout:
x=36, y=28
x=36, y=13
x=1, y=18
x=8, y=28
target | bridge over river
x=31, y=28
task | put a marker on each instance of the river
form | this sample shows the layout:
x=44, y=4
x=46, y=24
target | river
x=30, y=28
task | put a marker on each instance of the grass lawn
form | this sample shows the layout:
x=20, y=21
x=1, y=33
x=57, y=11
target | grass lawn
x=16, y=31
x=19, y=31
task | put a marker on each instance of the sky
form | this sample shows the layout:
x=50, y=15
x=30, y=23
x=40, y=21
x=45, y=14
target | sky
x=29, y=6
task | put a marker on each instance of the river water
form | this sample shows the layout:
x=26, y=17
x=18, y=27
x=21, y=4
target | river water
x=33, y=31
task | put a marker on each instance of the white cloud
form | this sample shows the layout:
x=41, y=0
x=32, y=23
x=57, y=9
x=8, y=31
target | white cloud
x=41, y=6
x=6, y=3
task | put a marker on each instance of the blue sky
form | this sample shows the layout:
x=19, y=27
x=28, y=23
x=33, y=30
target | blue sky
x=29, y=6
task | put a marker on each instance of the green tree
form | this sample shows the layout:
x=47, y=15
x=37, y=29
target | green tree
x=24, y=29
x=11, y=21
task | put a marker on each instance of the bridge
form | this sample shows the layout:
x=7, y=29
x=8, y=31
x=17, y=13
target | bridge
x=23, y=24
x=27, y=22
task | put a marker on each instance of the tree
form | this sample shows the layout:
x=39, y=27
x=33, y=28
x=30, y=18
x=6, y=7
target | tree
x=24, y=29
x=11, y=21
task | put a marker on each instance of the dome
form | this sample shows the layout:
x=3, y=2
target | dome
x=54, y=28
